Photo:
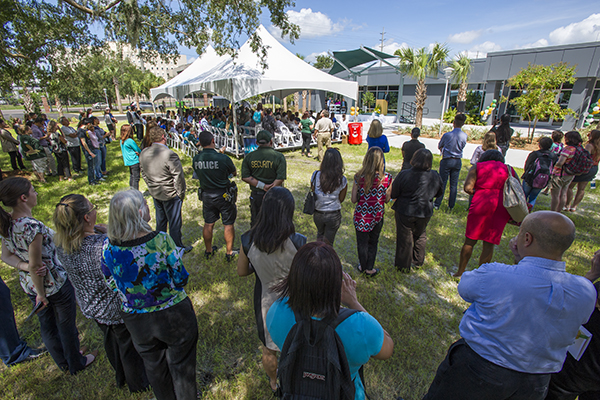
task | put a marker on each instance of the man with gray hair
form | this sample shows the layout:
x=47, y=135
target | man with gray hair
x=521, y=320
x=163, y=173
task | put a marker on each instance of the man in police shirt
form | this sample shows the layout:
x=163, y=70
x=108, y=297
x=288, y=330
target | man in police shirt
x=213, y=170
x=262, y=169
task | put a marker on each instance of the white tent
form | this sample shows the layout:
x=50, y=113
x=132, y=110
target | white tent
x=240, y=78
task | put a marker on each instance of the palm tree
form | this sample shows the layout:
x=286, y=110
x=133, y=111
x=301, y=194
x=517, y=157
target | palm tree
x=462, y=68
x=419, y=64
x=113, y=71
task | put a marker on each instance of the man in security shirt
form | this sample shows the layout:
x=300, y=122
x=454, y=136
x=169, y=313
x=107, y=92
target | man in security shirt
x=262, y=169
x=213, y=169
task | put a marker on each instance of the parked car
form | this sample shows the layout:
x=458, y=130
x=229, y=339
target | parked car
x=99, y=106
x=145, y=105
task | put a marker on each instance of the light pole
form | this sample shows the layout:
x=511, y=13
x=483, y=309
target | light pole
x=447, y=73
x=106, y=97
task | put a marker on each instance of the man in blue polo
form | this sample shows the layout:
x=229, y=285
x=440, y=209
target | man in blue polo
x=521, y=321
x=214, y=169
x=451, y=146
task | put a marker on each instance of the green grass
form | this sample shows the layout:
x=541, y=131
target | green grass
x=421, y=311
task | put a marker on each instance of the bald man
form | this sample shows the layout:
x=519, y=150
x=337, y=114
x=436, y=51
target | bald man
x=521, y=320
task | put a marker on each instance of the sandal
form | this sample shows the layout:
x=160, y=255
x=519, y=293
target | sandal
x=373, y=274
x=359, y=269
x=90, y=358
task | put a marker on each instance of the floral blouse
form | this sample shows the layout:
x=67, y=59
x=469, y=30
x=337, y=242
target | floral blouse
x=21, y=234
x=371, y=205
x=147, y=272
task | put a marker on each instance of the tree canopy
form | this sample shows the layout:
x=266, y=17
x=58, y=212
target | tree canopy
x=36, y=29
x=323, y=62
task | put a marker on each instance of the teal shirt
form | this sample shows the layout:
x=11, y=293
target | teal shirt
x=129, y=149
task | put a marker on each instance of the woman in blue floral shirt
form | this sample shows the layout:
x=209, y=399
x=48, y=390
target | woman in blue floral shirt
x=148, y=273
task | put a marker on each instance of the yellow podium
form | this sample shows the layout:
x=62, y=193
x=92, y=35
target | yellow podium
x=383, y=104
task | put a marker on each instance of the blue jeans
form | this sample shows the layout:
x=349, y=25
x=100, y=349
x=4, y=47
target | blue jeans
x=97, y=162
x=103, y=158
x=169, y=212
x=449, y=167
x=13, y=350
x=59, y=330
x=91, y=167
x=531, y=194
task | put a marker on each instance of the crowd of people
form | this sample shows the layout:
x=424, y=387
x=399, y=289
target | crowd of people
x=130, y=278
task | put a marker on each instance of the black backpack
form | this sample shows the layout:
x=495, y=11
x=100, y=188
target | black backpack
x=313, y=362
x=538, y=175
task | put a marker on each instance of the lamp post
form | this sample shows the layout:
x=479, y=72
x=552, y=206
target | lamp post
x=106, y=97
x=447, y=73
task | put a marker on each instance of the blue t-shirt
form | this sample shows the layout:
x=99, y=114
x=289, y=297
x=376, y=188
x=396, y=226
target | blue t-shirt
x=128, y=149
x=361, y=335
x=381, y=142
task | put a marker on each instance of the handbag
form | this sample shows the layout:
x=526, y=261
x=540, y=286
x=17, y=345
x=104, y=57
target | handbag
x=309, y=201
x=513, y=198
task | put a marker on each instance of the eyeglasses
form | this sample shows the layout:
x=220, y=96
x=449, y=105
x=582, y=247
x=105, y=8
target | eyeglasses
x=92, y=209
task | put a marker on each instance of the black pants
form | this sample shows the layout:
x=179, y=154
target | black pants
x=166, y=340
x=465, y=375
x=327, y=224
x=256, y=199
x=306, y=143
x=366, y=243
x=75, y=153
x=124, y=358
x=15, y=157
x=411, y=238
x=134, y=176
x=139, y=131
x=62, y=162
x=169, y=213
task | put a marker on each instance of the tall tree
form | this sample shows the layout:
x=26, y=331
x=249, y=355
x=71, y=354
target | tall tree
x=539, y=86
x=33, y=29
x=420, y=63
x=323, y=62
x=462, y=69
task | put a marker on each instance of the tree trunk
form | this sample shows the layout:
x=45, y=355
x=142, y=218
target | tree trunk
x=309, y=100
x=59, y=106
x=285, y=104
x=535, y=121
x=462, y=91
x=420, y=97
x=117, y=94
x=304, y=101
x=27, y=101
x=296, y=101
x=137, y=99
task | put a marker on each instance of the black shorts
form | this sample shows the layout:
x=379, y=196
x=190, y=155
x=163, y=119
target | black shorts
x=110, y=127
x=215, y=206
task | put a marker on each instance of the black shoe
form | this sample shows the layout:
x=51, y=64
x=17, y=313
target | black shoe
x=209, y=254
x=187, y=249
x=230, y=257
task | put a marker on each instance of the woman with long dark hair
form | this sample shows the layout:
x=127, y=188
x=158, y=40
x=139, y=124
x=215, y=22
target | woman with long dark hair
x=314, y=288
x=268, y=249
x=330, y=187
x=79, y=241
x=27, y=245
x=370, y=193
x=593, y=147
x=414, y=190
x=503, y=133
x=131, y=155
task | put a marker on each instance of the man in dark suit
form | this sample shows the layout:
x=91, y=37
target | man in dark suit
x=163, y=173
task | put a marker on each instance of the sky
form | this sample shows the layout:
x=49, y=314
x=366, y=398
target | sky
x=472, y=27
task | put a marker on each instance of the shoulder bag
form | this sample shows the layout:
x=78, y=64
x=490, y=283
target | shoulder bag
x=513, y=198
x=309, y=201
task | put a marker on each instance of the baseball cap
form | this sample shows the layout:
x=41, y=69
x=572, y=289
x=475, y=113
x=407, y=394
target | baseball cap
x=263, y=137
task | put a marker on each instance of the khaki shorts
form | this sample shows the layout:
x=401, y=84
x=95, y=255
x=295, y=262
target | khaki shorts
x=559, y=182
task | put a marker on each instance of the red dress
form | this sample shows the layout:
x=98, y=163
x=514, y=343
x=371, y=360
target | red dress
x=487, y=216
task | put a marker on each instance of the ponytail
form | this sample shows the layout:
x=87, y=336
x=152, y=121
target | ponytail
x=10, y=191
x=69, y=221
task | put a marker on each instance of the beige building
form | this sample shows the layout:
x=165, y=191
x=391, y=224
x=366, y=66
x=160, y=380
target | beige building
x=158, y=67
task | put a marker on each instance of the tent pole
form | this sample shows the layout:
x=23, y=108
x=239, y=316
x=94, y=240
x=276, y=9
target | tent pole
x=235, y=130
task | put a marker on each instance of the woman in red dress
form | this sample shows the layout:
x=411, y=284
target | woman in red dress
x=487, y=216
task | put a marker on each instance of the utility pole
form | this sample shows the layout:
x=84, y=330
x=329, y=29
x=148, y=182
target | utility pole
x=382, y=40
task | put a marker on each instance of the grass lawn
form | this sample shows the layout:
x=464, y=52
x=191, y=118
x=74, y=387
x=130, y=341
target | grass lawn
x=421, y=311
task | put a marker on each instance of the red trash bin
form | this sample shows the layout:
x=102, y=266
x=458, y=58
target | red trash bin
x=355, y=133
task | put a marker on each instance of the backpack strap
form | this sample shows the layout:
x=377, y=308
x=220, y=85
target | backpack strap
x=298, y=240
x=343, y=314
